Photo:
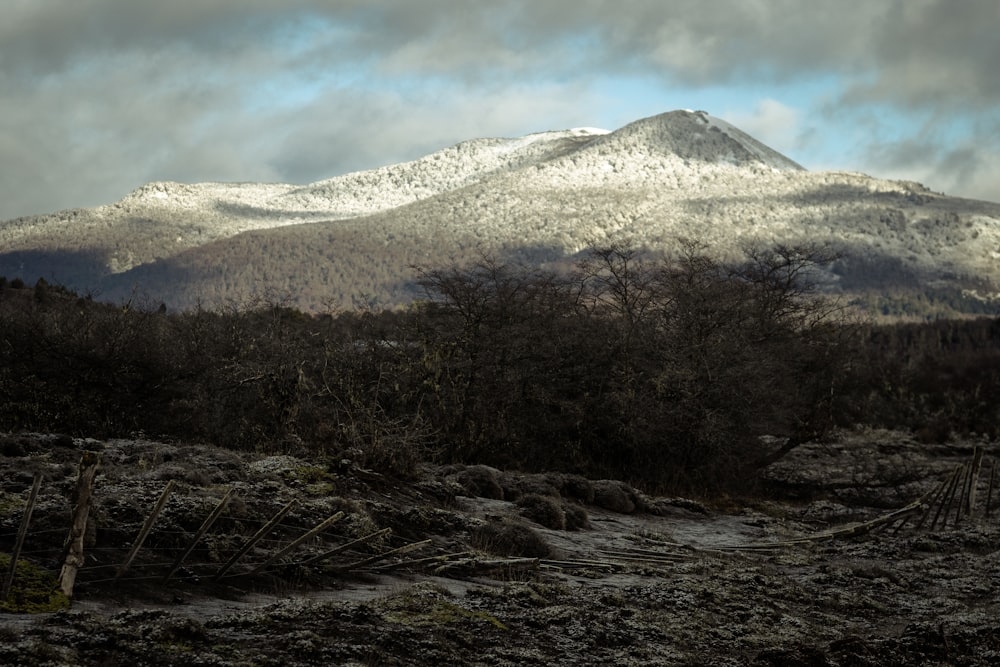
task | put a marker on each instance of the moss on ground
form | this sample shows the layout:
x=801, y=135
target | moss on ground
x=424, y=606
x=34, y=590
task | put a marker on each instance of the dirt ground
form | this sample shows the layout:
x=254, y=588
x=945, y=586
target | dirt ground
x=473, y=566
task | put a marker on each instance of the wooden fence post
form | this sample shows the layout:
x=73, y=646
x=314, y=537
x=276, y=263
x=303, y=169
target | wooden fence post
x=146, y=528
x=73, y=557
x=201, y=533
x=22, y=531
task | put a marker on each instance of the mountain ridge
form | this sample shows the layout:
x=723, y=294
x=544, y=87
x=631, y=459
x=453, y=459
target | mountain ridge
x=540, y=198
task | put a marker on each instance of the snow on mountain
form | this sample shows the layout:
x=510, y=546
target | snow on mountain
x=367, y=192
x=696, y=137
x=681, y=174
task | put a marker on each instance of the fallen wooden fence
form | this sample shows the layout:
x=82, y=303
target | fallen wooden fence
x=953, y=500
x=73, y=550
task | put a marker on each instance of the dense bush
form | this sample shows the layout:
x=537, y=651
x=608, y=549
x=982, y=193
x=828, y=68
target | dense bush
x=662, y=372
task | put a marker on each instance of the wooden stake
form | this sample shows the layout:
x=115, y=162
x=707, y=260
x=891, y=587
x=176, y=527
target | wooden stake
x=950, y=494
x=200, y=534
x=73, y=556
x=147, y=527
x=21, y=533
x=963, y=497
x=977, y=464
x=989, y=492
x=312, y=533
x=935, y=496
x=258, y=536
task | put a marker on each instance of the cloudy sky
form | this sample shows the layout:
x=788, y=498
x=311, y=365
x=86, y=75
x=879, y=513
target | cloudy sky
x=100, y=96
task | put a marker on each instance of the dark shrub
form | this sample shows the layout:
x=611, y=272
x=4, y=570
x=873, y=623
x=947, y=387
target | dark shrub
x=544, y=510
x=614, y=496
x=573, y=486
x=481, y=481
x=12, y=447
x=576, y=517
x=516, y=485
x=509, y=537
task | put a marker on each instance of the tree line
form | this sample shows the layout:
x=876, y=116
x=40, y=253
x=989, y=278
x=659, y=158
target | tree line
x=667, y=372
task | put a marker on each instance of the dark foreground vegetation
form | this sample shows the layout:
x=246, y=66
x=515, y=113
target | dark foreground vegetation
x=663, y=373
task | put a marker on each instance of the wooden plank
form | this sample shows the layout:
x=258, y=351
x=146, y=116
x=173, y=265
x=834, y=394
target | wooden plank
x=22, y=531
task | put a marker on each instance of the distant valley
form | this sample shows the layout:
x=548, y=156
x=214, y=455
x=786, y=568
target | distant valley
x=356, y=239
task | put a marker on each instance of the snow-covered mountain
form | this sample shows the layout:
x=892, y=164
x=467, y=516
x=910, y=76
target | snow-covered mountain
x=540, y=198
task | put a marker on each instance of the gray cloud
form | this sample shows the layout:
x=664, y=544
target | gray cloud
x=968, y=166
x=936, y=54
x=904, y=50
x=98, y=96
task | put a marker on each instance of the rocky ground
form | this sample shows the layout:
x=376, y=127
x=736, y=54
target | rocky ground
x=473, y=566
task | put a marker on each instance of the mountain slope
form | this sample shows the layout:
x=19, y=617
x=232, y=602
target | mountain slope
x=539, y=198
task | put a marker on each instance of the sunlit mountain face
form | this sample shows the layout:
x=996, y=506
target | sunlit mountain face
x=540, y=199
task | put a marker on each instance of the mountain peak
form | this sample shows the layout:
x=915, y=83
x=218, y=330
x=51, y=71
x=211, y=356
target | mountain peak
x=696, y=136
